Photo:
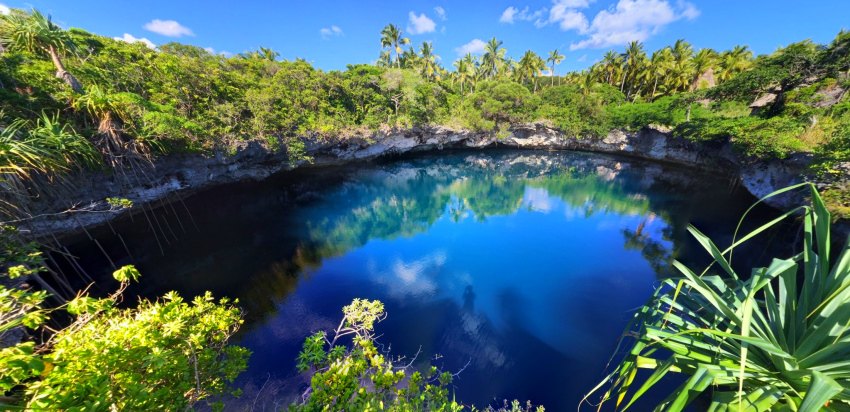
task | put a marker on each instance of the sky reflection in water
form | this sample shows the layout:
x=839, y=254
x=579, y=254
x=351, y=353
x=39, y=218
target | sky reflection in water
x=524, y=264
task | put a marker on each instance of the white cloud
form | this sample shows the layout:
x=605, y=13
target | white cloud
x=476, y=46
x=512, y=14
x=4, y=9
x=168, y=28
x=508, y=15
x=211, y=50
x=632, y=20
x=332, y=31
x=582, y=58
x=130, y=39
x=568, y=19
x=625, y=21
x=420, y=24
x=689, y=11
x=441, y=12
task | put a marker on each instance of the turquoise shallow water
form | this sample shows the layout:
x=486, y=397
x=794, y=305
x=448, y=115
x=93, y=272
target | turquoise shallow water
x=522, y=265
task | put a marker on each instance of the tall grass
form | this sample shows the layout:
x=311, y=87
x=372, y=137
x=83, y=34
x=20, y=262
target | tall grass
x=775, y=341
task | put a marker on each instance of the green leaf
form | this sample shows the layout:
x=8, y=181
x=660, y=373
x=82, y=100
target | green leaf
x=821, y=390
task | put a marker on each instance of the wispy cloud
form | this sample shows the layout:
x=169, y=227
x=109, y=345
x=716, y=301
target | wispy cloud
x=476, y=46
x=130, y=39
x=582, y=58
x=441, y=13
x=620, y=23
x=168, y=28
x=332, y=31
x=512, y=14
x=4, y=9
x=420, y=24
x=211, y=50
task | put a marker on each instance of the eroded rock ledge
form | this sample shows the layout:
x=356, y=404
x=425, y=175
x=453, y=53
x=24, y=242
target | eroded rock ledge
x=182, y=174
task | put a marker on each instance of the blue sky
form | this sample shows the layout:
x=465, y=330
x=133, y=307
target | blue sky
x=332, y=34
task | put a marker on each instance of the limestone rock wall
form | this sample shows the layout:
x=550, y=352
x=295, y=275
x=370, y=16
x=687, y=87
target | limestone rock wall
x=182, y=174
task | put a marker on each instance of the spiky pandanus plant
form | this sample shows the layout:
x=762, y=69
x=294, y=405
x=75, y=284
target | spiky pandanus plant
x=108, y=111
x=776, y=341
x=32, y=157
x=36, y=33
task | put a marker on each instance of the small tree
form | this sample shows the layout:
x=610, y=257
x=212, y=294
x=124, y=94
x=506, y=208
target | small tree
x=164, y=355
x=35, y=33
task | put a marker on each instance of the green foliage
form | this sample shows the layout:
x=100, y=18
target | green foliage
x=636, y=116
x=119, y=203
x=163, y=355
x=771, y=138
x=767, y=342
x=501, y=102
x=360, y=377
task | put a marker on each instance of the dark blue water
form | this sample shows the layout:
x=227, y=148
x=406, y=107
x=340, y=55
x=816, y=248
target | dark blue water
x=522, y=265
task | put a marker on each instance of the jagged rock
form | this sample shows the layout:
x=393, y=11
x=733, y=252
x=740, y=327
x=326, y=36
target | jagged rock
x=252, y=161
x=828, y=97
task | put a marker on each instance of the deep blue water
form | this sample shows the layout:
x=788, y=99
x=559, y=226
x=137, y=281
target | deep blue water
x=523, y=265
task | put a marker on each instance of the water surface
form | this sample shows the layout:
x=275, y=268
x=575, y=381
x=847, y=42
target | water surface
x=522, y=265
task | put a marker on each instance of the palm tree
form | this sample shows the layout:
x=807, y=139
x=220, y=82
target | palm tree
x=554, y=58
x=493, y=57
x=586, y=83
x=385, y=60
x=704, y=60
x=659, y=64
x=409, y=59
x=539, y=64
x=465, y=71
x=428, y=60
x=35, y=33
x=268, y=54
x=634, y=51
x=391, y=37
x=611, y=63
x=737, y=60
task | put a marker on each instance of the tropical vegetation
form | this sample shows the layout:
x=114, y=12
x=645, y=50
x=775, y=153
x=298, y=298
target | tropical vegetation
x=131, y=102
x=774, y=339
x=108, y=357
x=73, y=101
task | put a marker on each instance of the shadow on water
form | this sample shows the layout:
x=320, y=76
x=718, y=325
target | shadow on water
x=524, y=264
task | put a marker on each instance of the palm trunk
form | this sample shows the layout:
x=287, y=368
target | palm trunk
x=553, y=74
x=63, y=74
x=535, y=84
x=652, y=98
x=688, y=116
x=461, y=92
x=623, y=83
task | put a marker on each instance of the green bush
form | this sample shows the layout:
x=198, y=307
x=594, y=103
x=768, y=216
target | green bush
x=637, y=116
x=164, y=355
x=359, y=377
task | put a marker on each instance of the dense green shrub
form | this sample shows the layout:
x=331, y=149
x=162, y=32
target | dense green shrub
x=359, y=377
x=636, y=116
x=164, y=355
x=501, y=102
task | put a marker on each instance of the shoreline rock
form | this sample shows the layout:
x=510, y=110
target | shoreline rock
x=180, y=175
